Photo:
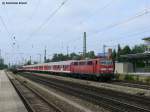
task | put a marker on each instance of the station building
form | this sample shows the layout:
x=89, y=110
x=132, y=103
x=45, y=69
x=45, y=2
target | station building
x=147, y=44
x=131, y=64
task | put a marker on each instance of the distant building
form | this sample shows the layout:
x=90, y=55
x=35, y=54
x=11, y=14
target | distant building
x=102, y=54
x=105, y=54
x=147, y=44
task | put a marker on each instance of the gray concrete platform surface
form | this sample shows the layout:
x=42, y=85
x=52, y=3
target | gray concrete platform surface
x=9, y=99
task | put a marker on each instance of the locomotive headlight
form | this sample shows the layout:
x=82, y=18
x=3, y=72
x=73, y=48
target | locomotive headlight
x=103, y=69
x=110, y=69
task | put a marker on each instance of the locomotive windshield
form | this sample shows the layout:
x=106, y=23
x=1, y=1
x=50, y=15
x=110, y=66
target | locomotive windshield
x=106, y=62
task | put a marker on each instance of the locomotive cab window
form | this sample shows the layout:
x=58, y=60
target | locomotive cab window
x=106, y=62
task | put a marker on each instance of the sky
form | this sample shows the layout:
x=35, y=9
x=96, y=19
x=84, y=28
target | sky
x=27, y=29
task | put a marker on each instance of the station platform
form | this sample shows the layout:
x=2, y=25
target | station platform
x=9, y=99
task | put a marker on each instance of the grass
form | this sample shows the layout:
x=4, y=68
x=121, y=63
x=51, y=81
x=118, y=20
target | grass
x=129, y=77
x=133, y=78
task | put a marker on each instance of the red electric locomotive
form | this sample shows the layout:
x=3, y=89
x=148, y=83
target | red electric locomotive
x=94, y=68
x=100, y=68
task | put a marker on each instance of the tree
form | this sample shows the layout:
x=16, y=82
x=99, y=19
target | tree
x=72, y=56
x=28, y=63
x=114, y=54
x=126, y=50
x=90, y=54
x=119, y=52
x=138, y=49
x=35, y=62
x=75, y=56
x=2, y=65
x=60, y=57
x=48, y=60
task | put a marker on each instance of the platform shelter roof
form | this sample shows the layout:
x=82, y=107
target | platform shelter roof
x=144, y=56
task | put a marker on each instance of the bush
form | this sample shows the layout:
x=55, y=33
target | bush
x=137, y=78
x=129, y=77
x=117, y=76
x=148, y=80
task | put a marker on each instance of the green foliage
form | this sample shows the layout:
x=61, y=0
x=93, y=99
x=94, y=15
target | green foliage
x=117, y=76
x=129, y=77
x=72, y=56
x=137, y=78
x=148, y=80
x=90, y=54
x=35, y=62
x=140, y=63
x=127, y=50
x=119, y=52
x=114, y=55
x=138, y=49
x=59, y=57
x=48, y=60
x=2, y=65
x=28, y=63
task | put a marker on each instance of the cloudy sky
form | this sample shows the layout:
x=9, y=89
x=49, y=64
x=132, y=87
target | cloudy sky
x=27, y=29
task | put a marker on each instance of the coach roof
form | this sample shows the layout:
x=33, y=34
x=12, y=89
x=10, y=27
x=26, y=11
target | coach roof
x=52, y=63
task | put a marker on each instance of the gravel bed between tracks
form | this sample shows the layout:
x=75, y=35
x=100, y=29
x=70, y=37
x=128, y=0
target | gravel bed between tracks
x=130, y=84
x=67, y=103
x=97, y=96
x=92, y=107
x=125, y=89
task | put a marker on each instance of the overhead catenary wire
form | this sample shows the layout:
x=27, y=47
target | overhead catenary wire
x=138, y=15
x=109, y=26
x=51, y=15
x=8, y=32
x=35, y=9
x=101, y=9
x=131, y=35
x=2, y=21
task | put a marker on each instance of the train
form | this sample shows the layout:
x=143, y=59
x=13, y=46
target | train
x=98, y=69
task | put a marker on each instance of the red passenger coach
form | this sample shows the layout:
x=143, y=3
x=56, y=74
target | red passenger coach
x=99, y=68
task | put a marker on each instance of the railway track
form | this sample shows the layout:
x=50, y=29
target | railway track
x=129, y=84
x=33, y=101
x=114, y=101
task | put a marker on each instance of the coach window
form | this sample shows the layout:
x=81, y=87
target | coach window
x=75, y=63
x=82, y=63
x=89, y=63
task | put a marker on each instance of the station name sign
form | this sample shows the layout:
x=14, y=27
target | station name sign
x=14, y=3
